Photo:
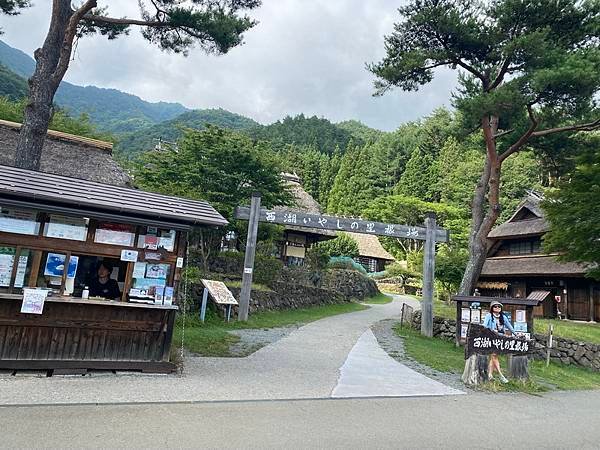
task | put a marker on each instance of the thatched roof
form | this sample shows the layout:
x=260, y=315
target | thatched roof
x=527, y=220
x=369, y=246
x=68, y=155
x=303, y=201
x=530, y=265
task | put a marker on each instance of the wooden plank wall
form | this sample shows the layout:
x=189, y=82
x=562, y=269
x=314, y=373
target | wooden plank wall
x=68, y=332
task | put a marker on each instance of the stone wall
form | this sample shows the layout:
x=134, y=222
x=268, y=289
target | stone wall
x=565, y=351
x=350, y=284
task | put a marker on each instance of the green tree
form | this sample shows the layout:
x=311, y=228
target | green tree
x=527, y=69
x=176, y=26
x=221, y=166
x=574, y=215
x=419, y=179
x=342, y=245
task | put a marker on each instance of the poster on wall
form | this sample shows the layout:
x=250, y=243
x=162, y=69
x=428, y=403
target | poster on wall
x=55, y=265
x=475, y=315
x=157, y=271
x=115, y=233
x=33, y=301
x=6, y=264
x=463, y=330
x=21, y=271
x=520, y=315
x=139, y=270
x=65, y=227
x=18, y=221
x=465, y=315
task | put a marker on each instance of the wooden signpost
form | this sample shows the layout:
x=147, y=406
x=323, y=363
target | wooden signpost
x=430, y=234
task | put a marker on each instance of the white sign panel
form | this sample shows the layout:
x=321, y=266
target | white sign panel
x=33, y=301
x=64, y=227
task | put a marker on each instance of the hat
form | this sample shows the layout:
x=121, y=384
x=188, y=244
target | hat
x=494, y=303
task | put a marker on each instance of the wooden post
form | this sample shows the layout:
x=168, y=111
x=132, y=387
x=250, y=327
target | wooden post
x=203, y=306
x=428, y=273
x=549, y=344
x=591, y=301
x=249, y=258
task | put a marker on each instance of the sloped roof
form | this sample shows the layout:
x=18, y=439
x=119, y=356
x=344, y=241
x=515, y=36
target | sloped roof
x=530, y=265
x=514, y=227
x=369, y=246
x=58, y=193
x=68, y=155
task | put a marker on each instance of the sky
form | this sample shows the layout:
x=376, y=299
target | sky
x=304, y=56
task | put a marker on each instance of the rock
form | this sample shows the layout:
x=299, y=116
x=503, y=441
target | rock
x=579, y=352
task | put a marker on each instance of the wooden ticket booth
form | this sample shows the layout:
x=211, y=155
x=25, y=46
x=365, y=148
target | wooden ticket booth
x=60, y=239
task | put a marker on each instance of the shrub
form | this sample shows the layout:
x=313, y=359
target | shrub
x=266, y=269
x=317, y=258
x=342, y=245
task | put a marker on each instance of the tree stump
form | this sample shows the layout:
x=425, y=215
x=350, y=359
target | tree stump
x=476, y=370
x=518, y=367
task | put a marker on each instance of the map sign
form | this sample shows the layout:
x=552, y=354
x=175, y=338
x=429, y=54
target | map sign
x=219, y=292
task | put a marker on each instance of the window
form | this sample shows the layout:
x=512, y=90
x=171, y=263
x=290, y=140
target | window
x=147, y=278
x=524, y=247
x=24, y=269
x=115, y=234
x=65, y=227
x=19, y=221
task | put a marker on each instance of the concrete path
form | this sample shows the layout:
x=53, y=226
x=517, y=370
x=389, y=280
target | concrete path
x=304, y=364
x=370, y=372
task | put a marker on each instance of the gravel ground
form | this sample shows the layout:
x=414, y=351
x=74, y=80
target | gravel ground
x=394, y=346
x=253, y=340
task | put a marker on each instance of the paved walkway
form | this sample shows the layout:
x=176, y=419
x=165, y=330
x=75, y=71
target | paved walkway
x=304, y=364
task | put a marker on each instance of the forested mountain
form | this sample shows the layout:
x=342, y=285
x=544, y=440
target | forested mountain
x=109, y=109
x=315, y=132
x=131, y=145
x=12, y=85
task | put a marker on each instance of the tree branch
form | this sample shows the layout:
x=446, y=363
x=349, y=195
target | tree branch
x=503, y=133
x=500, y=76
x=591, y=126
x=524, y=138
x=125, y=21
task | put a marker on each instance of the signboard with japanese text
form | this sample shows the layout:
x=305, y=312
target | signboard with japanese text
x=482, y=341
x=320, y=221
x=219, y=292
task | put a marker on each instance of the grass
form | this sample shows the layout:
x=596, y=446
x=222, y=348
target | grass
x=588, y=332
x=379, y=299
x=211, y=338
x=441, y=308
x=255, y=286
x=446, y=357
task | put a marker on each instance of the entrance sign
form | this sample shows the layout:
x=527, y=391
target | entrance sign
x=430, y=234
x=324, y=222
x=482, y=341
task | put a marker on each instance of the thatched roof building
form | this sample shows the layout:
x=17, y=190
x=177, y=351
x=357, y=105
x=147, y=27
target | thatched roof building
x=68, y=155
x=516, y=266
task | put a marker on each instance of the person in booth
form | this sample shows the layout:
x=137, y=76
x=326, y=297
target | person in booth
x=102, y=285
x=498, y=322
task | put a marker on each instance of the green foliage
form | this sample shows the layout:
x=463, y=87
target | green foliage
x=420, y=177
x=342, y=245
x=61, y=121
x=574, y=216
x=317, y=258
x=314, y=132
x=217, y=165
x=266, y=269
x=12, y=86
x=360, y=132
x=450, y=263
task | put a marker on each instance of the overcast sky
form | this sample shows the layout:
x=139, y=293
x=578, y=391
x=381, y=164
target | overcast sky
x=305, y=56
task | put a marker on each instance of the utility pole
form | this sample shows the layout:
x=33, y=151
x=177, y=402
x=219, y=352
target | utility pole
x=249, y=257
x=428, y=274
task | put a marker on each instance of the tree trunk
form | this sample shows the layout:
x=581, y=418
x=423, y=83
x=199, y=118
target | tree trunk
x=476, y=370
x=518, y=367
x=52, y=62
x=485, y=209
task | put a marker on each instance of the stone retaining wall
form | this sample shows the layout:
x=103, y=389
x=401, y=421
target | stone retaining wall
x=565, y=351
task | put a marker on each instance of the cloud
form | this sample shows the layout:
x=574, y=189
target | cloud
x=305, y=56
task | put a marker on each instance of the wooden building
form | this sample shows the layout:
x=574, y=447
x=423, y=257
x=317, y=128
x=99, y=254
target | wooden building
x=371, y=254
x=57, y=227
x=516, y=266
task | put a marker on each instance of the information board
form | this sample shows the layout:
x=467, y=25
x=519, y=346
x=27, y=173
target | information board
x=219, y=292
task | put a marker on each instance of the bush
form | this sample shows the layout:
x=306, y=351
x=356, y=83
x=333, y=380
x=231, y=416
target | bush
x=344, y=262
x=317, y=258
x=342, y=245
x=267, y=270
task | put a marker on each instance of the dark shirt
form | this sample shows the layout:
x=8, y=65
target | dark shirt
x=110, y=289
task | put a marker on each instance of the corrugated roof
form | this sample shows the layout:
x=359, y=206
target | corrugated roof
x=369, y=246
x=530, y=265
x=46, y=189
